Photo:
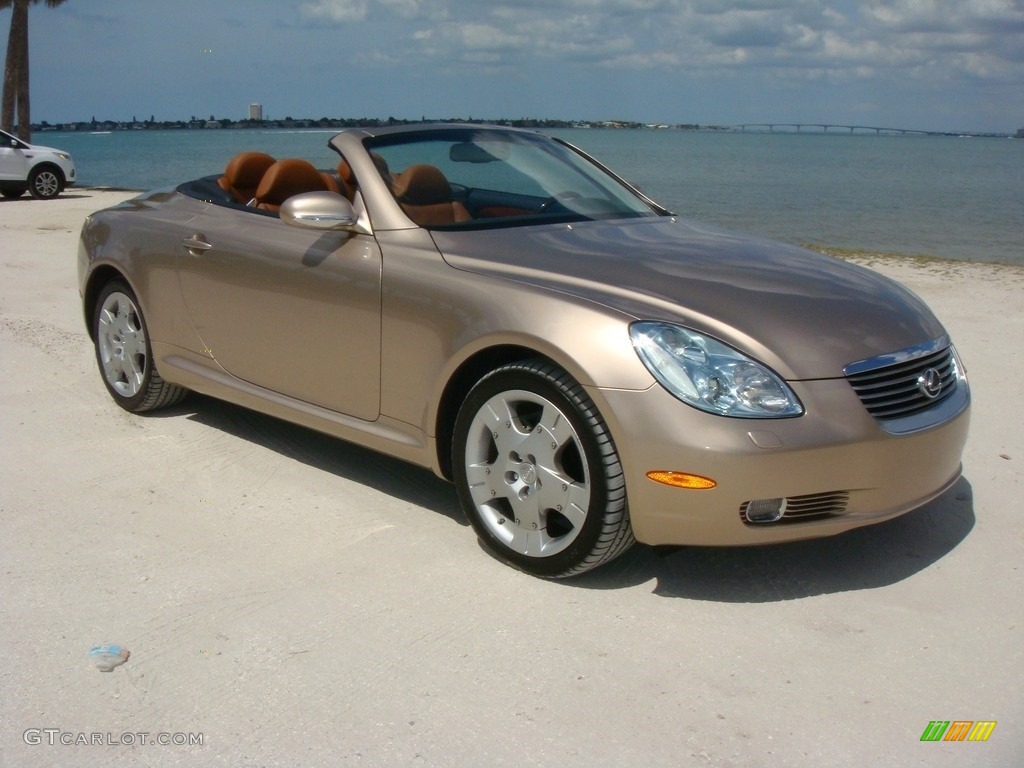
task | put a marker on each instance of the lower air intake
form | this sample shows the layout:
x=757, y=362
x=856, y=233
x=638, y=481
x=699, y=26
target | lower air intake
x=794, y=509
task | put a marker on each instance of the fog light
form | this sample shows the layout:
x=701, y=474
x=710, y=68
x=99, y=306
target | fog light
x=681, y=479
x=764, y=510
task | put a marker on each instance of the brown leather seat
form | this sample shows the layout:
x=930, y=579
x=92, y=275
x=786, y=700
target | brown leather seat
x=331, y=181
x=243, y=174
x=382, y=168
x=286, y=178
x=346, y=180
x=426, y=197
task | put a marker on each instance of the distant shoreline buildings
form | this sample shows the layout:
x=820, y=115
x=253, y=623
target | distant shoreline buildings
x=256, y=120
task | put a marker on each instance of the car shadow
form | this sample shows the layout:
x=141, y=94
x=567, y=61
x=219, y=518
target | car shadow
x=27, y=198
x=865, y=558
x=396, y=478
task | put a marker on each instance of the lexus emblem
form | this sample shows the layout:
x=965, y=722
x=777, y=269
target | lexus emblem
x=930, y=383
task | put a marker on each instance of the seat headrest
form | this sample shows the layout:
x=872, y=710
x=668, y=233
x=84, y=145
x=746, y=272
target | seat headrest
x=247, y=168
x=286, y=178
x=243, y=173
x=422, y=185
x=345, y=172
x=382, y=168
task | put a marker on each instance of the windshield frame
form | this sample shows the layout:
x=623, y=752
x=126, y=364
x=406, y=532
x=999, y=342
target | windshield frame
x=546, y=179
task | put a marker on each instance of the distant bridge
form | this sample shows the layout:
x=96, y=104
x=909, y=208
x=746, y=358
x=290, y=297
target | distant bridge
x=825, y=127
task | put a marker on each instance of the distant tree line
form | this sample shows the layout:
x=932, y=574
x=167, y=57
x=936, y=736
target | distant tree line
x=334, y=122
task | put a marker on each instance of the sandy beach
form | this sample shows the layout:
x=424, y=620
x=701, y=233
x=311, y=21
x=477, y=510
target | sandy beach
x=289, y=599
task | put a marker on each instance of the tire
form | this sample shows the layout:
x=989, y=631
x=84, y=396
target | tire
x=537, y=472
x=45, y=183
x=13, y=193
x=124, y=354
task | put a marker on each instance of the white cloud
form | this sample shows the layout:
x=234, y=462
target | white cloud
x=959, y=38
x=406, y=8
x=476, y=36
x=912, y=62
x=335, y=11
x=946, y=15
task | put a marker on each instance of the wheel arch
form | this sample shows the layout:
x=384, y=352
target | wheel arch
x=46, y=165
x=461, y=382
x=99, y=278
x=595, y=364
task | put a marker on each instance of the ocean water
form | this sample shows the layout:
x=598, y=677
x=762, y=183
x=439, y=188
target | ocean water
x=939, y=196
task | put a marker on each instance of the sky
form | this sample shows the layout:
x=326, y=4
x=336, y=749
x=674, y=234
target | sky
x=948, y=65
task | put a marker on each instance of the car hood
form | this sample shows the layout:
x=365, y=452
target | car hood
x=41, y=148
x=805, y=314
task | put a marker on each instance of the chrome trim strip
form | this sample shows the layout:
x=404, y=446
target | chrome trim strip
x=894, y=358
x=935, y=416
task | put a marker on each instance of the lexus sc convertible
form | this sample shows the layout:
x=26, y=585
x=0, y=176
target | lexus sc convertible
x=588, y=368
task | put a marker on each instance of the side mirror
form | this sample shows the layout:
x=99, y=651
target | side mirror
x=327, y=211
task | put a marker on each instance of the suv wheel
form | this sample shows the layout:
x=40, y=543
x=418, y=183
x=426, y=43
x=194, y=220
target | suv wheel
x=44, y=183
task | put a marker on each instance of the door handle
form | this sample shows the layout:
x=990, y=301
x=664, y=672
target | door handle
x=196, y=244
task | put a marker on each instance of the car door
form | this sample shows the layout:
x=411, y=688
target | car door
x=12, y=159
x=292, y=310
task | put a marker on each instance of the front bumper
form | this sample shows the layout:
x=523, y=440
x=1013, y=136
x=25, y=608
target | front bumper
x=835, y=449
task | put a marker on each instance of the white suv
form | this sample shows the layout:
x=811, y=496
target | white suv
x=43, y=171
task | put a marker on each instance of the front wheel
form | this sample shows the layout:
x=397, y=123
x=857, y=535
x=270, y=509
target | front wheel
x=537, y=472
x=124, y=354
x=45, y=183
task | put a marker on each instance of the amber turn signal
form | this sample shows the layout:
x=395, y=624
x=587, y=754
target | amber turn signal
x=681, y=479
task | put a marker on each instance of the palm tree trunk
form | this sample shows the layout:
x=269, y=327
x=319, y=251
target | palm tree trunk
x=15, y=61
x=24, y=115
x=16, y=68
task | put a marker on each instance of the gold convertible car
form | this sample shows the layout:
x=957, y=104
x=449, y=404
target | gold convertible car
x=587, y=367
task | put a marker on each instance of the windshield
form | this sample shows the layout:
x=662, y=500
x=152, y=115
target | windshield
x=472, y=178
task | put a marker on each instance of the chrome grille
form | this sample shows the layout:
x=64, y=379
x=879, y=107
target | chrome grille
x=905, y=387
x=809, y=507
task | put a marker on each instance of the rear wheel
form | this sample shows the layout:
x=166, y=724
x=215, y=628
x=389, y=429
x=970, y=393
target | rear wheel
x=45, y=183
x=124, y=355
x=537, y=472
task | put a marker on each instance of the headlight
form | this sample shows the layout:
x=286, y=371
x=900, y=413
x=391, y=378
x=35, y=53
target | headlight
x=710, y=375
x=63, y=155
